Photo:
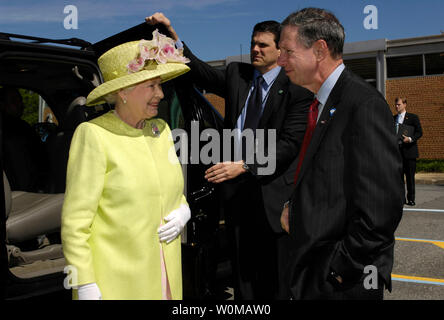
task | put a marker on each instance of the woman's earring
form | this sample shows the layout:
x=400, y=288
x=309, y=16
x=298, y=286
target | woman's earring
x=124, y=101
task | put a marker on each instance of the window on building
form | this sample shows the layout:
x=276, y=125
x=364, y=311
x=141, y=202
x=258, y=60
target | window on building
x=434, y=63
x=365, y=68
x=406, y=66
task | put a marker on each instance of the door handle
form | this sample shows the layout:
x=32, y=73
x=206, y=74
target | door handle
x=201, y=193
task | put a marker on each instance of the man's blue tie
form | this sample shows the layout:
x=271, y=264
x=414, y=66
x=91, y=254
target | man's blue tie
x=254, y=110
x=254, y=106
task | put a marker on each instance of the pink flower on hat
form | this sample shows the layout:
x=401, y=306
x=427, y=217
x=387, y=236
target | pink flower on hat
x=147, y=53
x=168, y=50
x=136, y=65
x=160, y=49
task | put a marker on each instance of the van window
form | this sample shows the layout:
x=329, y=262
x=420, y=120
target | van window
x=170, y=109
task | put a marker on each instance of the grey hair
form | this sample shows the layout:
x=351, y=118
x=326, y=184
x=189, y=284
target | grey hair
x=315, y=24
x=111, y=98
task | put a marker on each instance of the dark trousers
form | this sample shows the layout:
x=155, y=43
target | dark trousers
x=409, y=169
x=358, y=292
x=258, y=254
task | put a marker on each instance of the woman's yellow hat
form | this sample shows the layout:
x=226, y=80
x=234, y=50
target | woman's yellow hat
x=137, y=61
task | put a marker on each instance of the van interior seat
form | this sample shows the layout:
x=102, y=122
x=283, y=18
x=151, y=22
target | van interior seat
x=59, y=144
x=30, y=215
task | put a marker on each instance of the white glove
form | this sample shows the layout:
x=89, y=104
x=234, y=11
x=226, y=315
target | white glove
x=176, y=220
x=89, y=291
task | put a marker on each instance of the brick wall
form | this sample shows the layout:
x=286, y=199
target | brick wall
x=217, y=102
x=425, y=97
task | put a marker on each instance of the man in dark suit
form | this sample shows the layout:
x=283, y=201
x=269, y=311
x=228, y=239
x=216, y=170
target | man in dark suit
x=253, y=202
x=409, y=130
x=347, y=200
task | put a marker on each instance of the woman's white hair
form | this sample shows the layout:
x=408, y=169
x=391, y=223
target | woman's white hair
x=111, y=98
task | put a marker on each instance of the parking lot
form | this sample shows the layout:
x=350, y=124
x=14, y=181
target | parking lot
x=418, y=271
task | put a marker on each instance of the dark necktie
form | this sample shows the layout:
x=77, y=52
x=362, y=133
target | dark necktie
x=254, y=106
x=311, y=124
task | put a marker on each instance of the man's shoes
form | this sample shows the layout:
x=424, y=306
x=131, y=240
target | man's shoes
x=411, y=203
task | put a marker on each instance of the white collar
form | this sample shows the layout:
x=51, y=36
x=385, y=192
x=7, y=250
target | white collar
x=326, y=88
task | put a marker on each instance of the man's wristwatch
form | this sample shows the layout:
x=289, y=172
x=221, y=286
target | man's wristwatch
x=245, y=166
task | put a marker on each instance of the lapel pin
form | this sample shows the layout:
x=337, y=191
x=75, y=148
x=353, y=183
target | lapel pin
x=332, y=111
x=281, y=91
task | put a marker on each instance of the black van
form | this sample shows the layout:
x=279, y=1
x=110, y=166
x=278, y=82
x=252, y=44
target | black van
x=61, y=73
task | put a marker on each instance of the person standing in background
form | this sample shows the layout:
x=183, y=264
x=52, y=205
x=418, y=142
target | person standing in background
x=409, y=130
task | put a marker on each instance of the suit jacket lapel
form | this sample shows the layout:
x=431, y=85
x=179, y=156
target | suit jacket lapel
x=275, y=97
x=406, y=117
x=323, y=123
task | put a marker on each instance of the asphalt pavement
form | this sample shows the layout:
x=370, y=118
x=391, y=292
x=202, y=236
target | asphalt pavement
x=418, y=271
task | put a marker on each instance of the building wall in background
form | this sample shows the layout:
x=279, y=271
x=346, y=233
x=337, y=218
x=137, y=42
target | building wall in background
x=217, y=102
x=425, y=97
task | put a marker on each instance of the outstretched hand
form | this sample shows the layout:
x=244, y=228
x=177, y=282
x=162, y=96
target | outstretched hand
x=224, y=171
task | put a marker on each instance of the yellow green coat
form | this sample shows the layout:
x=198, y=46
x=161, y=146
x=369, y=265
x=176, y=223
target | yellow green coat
x=121, y=183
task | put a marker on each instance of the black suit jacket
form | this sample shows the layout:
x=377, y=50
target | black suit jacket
x=285, y=111
x=348, y=198
x=410, y=150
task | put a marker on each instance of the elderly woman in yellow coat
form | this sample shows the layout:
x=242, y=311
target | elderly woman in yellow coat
x=124, y=206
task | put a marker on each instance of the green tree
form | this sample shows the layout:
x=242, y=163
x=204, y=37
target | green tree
x=31, y=104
